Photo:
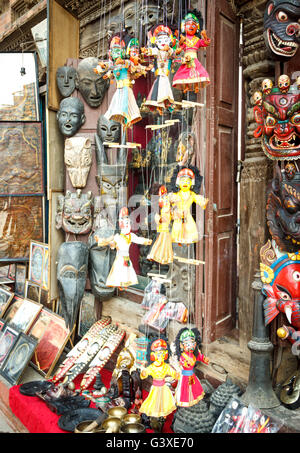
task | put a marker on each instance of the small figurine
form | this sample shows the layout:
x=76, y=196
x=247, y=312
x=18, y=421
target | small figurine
x=184, y=230
x=161, y=96
x=162, y=250
x=189, y=389
x=123, y=107
x=284, y=83
x=160, y=401
x=191, y=76
x=122, y=273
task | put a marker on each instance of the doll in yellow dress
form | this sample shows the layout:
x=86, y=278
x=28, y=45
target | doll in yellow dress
x=184, y=229
x=160, y=401
x=162, y=250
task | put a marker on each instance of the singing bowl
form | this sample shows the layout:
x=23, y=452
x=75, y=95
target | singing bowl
x=131, y=418
x=111, y=425
x=133, y=428
x=117, y=411
x=82, y=425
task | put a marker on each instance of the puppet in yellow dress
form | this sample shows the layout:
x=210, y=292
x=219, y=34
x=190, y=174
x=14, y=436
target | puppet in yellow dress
x=160, y=401
x=184, y=229
x=162, y=250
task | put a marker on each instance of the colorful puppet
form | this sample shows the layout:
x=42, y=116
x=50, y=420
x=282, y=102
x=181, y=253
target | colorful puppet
x=123, y=107
x=162, y=251
x=282, y=28
x=189, y=390
x=191, y=76
x=258, y=116
x=184, y=230
x=122, y=273
x=280, y=274
x=160, y=401
x=279, y=124
x=161, y=96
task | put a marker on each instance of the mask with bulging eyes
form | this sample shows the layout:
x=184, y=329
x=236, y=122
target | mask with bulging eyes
x=72, y=267
x=78, y=160
x=70, y=116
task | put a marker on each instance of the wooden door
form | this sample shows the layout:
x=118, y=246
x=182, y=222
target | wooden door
x=216, y=314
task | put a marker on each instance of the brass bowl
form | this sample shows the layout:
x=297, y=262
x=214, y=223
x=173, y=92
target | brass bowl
x=117, y=411
x=111, y=425
x=80, y=427
x=133, y=428
x=131, y=418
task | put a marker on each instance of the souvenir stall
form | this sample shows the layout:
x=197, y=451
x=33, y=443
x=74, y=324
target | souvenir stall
x=126, y=199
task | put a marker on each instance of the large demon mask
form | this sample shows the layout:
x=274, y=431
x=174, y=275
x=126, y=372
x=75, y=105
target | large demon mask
x=282, y=28
x=280, y=274
x=279, y=120
x=74, y=212
x=283, y=208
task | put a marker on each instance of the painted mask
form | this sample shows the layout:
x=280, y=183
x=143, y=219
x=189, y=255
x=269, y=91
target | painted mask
x=108, y=130
x=117, y=48
x=72, y=266
x=70, y=116
x=74, y=212
x=283, y=208
x=91, y=85
x=282, y=28
x=78, y=160
x=281, y=279
x=65, y=80
x=191, y=23
x=281, y=124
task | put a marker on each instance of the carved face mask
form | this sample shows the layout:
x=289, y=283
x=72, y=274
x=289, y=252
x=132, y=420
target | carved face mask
x=283, y=209
x=108, y=130
x=74, y=212
x=282, y=28
x=65, y=80
x=70, y=116
x=281, y=123
x=281, y=279
x=72, y=266
x=78, y=160
x=92, y=86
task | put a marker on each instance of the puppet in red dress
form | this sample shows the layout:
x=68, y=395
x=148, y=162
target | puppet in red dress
x=189, y=390
x=191, y=75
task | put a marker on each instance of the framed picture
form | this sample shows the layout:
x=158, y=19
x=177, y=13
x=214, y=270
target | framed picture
x=25, y=315
x=20, y=278
x=38, y=263
x=12, y=309
x=44, y=298
x=32, y=291
x=21, y=144
x=18, y=358
x=87, y=316
x=8, y=337
x=12, y=271
x=5, y=299
x=2, y=324
x=52, y=334
x=22, y=221
x=19, y=93
x=4, y=271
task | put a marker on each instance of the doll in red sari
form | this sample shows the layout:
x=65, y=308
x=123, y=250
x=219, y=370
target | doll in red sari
x=191, y=75
x=189, y=390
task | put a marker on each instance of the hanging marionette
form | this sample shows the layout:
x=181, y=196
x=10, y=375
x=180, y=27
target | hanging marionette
x=184, y=229
x=133, y=54
x=162, y=251
x=160, y=401
x=191, y=75
x=123, y=107
x=122, y=273
x=189, y=390
x=161, y=94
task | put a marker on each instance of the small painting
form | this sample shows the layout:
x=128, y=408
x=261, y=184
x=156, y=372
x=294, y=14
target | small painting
x=26, y=315
x=12, y=309
x=18, y=358
x=8, y=337
x=32, y=291
x=20, y=278
x=5, y=299
x=38, y=264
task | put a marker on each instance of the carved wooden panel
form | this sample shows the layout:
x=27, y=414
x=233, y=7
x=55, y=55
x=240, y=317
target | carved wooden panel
x=21, y=169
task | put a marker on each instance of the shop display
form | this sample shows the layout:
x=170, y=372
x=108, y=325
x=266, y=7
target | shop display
x=65, y=80
x=186, y=183
x=281, y=28
x=189, y=391
x=70, y=116
x=90, y=85
x=74, y=212
x=191, y=76
x=21, y=158
x=18, y=358
x=122, y=273
x=72, y=269
x=5, y=299
x=78, y=160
